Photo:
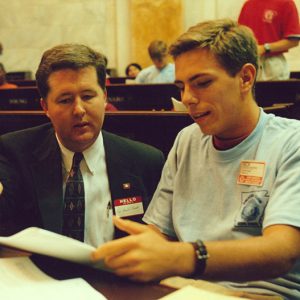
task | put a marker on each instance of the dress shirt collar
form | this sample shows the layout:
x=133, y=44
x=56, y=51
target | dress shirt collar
x=91, y=155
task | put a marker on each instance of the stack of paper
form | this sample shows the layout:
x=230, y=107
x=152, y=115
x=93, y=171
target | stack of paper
x=21, y=279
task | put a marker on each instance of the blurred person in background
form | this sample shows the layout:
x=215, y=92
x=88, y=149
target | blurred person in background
x=275, y=24
x=3, y=82
x=161, y=71
x=132, y=70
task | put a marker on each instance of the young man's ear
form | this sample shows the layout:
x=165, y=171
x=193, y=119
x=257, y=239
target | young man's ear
x=44, y=106
x=247, y=77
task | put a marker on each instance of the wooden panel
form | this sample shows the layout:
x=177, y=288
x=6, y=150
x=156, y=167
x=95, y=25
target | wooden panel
x=142, y=96
x=282, y=91
x=19, y=75
x=122, y=96
x=22, y=83
x=24, y=98
x=295, y=74
x=118, y=80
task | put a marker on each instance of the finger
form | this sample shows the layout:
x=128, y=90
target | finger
x=134, y=274
x=114, y=248
x=126, y=271
x=129, y=226
x=130, y=258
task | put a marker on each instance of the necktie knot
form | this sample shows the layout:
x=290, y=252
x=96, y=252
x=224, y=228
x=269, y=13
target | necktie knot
x=77, y=158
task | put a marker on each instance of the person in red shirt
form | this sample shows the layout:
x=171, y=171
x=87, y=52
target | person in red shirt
x=275, y=24
x=3, y=83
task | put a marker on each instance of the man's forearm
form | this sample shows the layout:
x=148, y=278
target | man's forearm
x=279, y=46
x=256, y=258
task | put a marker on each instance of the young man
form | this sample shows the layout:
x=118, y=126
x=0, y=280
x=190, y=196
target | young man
x=161, y=71
x=36, y=166
x=229, y=192
x=275, y=24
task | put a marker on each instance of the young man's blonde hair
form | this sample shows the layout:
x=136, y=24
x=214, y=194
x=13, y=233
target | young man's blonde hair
x=157, y=49
x=232, y=44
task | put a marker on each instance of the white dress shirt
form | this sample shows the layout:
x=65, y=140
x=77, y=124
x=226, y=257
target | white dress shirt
x=98, y=210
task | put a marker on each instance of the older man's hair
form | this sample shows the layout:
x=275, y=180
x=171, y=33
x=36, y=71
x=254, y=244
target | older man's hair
x=69, y=56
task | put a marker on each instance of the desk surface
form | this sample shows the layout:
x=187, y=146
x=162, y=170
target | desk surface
x=110, y=285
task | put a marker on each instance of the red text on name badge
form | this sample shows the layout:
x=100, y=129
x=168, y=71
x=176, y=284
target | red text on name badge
x=130, y=206
x=252, y=172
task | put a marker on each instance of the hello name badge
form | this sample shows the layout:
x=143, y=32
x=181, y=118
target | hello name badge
x=252, y=172
x=130, y=206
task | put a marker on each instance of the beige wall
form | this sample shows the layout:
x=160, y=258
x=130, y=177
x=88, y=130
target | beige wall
x=28, y=27
x=122, y=29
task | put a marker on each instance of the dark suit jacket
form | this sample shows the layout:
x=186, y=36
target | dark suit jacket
x=32, y=179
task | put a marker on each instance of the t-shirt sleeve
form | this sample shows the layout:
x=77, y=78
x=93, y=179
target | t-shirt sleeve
x=159, y=212
x=284, y=203
x=290, y=21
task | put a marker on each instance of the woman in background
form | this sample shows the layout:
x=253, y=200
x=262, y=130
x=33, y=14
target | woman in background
x=132, y=70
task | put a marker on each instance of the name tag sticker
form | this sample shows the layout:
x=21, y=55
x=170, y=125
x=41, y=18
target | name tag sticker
x=131, y=206
x=252, y=172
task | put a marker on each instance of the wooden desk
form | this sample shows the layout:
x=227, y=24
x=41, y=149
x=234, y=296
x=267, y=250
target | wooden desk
x=158, y=129
x=110, y=285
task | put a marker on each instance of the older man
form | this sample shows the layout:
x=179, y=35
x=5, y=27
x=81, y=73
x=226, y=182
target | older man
x=69, y=176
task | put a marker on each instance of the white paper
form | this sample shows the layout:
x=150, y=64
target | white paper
x=193, y=293
x=21, y=279
x=40, y=241
x=178, y=105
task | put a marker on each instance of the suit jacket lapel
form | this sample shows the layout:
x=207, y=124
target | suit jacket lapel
x=120, y=171
x=47, y=176
x=123, y=181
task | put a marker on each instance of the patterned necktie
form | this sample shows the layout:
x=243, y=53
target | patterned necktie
x=73, y=225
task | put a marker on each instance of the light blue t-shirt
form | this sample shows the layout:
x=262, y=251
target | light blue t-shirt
x=154, y=75
x=199, y=195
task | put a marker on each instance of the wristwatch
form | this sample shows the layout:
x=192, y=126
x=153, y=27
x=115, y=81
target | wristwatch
x=201, y=257
x=267, y=48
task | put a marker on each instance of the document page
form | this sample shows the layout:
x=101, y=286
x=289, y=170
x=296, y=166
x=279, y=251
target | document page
x=20, y=278
x=193, y=293
x=40, y=241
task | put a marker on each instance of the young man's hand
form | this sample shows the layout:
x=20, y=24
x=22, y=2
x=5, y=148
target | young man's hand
x=145, y=254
